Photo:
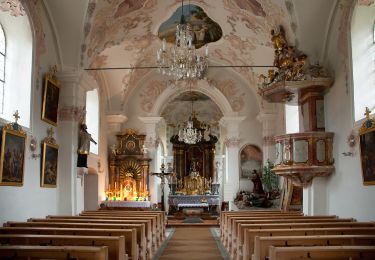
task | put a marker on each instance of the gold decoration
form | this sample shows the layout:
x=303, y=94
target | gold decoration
x=50, y=139
x=289, y=62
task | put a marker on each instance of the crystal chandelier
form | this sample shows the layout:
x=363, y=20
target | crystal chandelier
x=189, y=134
x=182, y=62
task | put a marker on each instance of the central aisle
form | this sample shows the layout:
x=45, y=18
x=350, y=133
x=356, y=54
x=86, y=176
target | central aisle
x=193, y=243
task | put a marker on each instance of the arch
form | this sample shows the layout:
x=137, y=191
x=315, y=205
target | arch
x=203, y=87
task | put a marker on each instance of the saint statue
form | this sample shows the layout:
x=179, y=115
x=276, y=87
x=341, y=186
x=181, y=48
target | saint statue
x=84, y=146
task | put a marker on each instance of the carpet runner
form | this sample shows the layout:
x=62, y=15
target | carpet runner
x=193, y=243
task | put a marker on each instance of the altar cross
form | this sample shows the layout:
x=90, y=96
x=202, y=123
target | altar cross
x=16, y=116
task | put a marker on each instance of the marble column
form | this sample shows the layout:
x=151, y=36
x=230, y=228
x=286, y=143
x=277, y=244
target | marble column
x=70, y=190
x=231, y=180
x=151, y=144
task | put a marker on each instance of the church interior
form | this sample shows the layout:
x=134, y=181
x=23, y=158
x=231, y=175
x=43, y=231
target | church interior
x=200, y=129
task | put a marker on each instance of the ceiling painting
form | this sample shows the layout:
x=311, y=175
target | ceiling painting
x=204, y=29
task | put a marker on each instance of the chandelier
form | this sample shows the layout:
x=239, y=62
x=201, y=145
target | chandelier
x=189, y=134
x=182, y=62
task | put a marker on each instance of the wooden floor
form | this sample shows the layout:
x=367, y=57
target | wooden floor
x=193, y=243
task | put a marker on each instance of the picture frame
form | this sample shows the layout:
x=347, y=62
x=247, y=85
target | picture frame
x=51, y=93
x=367, y=149
x=250, y=160
x=49, y=168
x=12, y=160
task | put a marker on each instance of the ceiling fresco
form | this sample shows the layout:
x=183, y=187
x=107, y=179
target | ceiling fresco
x=125, y=33
x=204, y=29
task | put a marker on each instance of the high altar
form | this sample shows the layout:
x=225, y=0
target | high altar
x=129, y=168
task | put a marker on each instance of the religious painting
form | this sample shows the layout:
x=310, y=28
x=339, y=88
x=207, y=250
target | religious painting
x=49, y=165
x=50, y=100
x=251, y=160
x=12, y=155
x=204, y=29
x=367, y=147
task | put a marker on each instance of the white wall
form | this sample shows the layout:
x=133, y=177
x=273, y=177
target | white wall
x=30, y=200
x=347, y=196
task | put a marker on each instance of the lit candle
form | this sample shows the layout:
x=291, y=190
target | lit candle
x=206, y=50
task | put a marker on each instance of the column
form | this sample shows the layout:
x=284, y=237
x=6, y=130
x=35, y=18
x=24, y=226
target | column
x=268, y=121
x=151, y=144
x=70, y=191
x=231, y=180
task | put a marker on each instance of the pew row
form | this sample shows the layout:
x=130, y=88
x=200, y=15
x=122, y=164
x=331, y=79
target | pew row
x=322, y=252
x=237, y=243
x=115, y=244
x=132, y=248
x=252, y=234
x=54, y=252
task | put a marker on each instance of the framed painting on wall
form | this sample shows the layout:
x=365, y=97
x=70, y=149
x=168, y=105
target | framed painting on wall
x=51, y=94
x=250, y=160
x=367, y=148
x=50, y=152
x=12, y=159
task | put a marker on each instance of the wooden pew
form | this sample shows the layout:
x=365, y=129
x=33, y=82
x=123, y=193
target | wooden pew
x=226, y=228
x=225, y=215
x=251, y=234
x=233, y=221
x=262, y=244
x=156, y=228
x=237, y=244
x=322, y=252
x=152, y=229
x=161, y=216
x=132, y=247
x=144, y=246
x=116, y=245
x=55, y=252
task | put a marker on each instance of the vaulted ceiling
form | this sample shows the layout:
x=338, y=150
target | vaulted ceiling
x=124, y=33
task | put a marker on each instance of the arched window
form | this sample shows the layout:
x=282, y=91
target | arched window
x=2, y=67
x=16, y=56
x=92, y=118
x=363, y=58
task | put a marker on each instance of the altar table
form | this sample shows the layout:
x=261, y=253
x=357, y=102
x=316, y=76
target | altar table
x=125, y=204
x=177, y=202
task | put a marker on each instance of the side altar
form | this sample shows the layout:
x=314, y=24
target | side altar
x=128, y=169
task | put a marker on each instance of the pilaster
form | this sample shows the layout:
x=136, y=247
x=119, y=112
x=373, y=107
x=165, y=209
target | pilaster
x=231, y=180
x=151, y=144
x=70, y=193
x=268, y=121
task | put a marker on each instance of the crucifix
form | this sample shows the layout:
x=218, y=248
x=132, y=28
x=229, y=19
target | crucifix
x=162, y=176
x=16, y=116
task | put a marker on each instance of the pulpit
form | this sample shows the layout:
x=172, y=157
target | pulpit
x=129, y=168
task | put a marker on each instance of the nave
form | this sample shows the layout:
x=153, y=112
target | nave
x=145, y=235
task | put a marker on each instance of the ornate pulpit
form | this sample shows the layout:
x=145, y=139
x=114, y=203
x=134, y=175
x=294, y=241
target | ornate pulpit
x=129, y=168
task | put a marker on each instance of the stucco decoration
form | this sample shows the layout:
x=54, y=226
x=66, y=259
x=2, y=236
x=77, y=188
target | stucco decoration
x=365, y=2
x=344, y=9
x=204, y=29
x=231, y=92
x=72, y=113
x=14, y=7
x=232, y=142
x=151, y=93
x=113, y=21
